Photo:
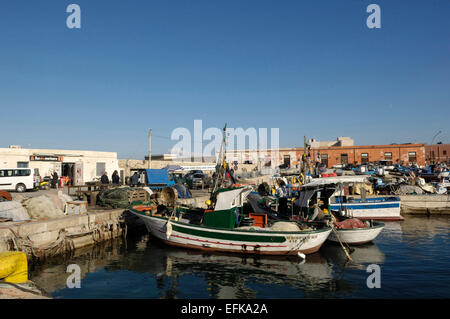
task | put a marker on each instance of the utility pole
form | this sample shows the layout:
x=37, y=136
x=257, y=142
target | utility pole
x=150, y=148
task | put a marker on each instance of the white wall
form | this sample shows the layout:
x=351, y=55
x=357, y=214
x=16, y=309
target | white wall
x=9, y=158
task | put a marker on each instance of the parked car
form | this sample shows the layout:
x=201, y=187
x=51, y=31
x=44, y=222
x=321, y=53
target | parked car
x=19, y=179
x=349, y=167
x=197, y=180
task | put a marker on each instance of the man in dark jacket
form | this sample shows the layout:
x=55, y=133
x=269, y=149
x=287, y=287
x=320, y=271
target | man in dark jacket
x=115, y=178
x=105, y=179
x=54, y=182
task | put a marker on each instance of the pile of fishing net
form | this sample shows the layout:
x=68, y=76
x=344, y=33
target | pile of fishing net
x=285, y=226
x=350, y=224
x=46, y=206
x=117, y=197
x=13, y=210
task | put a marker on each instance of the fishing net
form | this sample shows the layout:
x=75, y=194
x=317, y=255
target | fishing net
x=285, y=226
x=350, y=223
x=43, y=207
x=117, y=197
x=13, y=210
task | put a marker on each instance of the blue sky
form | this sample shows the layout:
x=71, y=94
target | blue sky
x=307, y=67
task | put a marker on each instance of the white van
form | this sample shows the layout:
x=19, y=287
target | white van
x=19, y=179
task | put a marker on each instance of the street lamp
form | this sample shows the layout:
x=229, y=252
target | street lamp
x=435, y=137
x=432, y=141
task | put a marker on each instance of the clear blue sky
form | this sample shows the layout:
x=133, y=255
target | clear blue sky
x=308, y=67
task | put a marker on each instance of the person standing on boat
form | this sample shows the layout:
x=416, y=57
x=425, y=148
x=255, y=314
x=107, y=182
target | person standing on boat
x=316, y=212
x=282, y=194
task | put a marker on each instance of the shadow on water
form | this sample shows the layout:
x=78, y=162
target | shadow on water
x=160, y=271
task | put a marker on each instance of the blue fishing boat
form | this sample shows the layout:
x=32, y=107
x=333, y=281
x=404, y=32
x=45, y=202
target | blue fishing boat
x=377, y=208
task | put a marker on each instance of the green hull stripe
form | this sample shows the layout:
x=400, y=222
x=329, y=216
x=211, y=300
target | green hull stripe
x=228, y=236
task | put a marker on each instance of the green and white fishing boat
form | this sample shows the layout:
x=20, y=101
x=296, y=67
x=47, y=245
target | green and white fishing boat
x=218, y=228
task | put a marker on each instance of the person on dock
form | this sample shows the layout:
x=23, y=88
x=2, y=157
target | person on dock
x=135, y=179
x=105, y=179
x=54, y=182
x=115, y=178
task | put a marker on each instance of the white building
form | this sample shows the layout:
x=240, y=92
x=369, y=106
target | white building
x=340, y=141
x=79, y=166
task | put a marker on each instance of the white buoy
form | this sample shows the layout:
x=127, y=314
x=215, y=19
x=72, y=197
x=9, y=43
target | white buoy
x=302, y=256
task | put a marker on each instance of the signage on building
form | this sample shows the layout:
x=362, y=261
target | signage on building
x=46, y=158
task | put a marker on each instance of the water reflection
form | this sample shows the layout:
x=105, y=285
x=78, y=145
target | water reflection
x=223, y=275
x=226, y=275
x=155, y=270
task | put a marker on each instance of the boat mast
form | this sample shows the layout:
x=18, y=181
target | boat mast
x=220, y=165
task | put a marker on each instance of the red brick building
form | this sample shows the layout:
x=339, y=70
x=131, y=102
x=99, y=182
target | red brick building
x=406, y=153
x=437, y=153
x=332, y=155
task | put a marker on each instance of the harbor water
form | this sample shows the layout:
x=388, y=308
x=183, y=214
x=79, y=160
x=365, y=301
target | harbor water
x=413, y=256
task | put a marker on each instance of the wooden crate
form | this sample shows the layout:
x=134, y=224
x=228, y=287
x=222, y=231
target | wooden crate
x=138, y=195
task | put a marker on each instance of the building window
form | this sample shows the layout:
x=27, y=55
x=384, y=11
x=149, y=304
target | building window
x=364, y=158
x=388, y=158
x=324, y=159
x=22, y=164
x=344, y=159
x=412, y=157
x=100, y=168
x=444, y=152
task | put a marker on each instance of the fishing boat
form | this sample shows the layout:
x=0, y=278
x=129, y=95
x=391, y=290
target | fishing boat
x=223, y=227
x=385, y=208
x=315, y=203
x=217, y=230
x=356, y=233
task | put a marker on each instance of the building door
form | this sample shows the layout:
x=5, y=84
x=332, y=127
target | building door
x=364, y=158
x=388, y=158
x=344, y=159
x=412, y=157
x=287, y=160
x=324, y=159
x=68, y=170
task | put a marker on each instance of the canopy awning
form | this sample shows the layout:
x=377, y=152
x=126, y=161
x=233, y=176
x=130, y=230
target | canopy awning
x=336, y=180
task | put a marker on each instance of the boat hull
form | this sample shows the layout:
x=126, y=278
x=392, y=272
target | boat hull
x=357, y=236
x=376, y=210
x=235, y=241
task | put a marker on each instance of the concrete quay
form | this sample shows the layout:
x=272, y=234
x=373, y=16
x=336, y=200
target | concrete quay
x=43, y=238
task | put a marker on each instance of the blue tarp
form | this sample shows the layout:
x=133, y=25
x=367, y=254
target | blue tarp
x=158, y=176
